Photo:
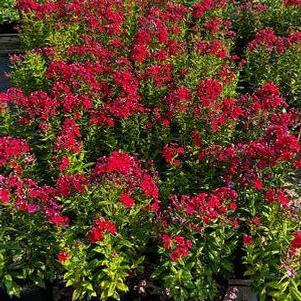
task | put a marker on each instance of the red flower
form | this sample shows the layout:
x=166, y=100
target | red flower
x=127, y=200
x=233, y=206
x=296, y=242
x=4, y=196
x=258, y=184
x=178, y=245
x=247, y=239
x=273, y=195
x=292, y=3
x=267, y=38
x=59, y=220
x=196, y=138
x=69, y=136
x=101, y=226
x=63, y=256
x=256, y=221
x=208, y=91
x=139, y=53
x=119, y=162
x=11, y=148
x=95, y=235
x=149, y=187
x=171, y=152
x=64, y=164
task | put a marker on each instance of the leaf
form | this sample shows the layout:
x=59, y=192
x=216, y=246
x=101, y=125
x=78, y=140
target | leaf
x=76, y=294
x=122, y=287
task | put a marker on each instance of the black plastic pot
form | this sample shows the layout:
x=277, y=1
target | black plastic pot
x=4, y=68
x=30, y=294
x=9, y=28
x=9, y=44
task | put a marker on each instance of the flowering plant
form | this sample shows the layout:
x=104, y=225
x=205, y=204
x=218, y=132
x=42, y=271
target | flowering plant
x=130, y=150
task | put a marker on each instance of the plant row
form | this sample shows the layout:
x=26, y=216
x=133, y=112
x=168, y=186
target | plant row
x=145, y=143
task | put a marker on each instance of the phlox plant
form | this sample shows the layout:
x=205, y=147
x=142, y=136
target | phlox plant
x=274, y=54
x=132, y=159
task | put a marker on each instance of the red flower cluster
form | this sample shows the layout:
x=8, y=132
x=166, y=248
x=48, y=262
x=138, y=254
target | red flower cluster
x=4, y=196
x=218, y=25
x=296, y=242
x=63, y=256
x=273, y=195
x=101, y=226
x=118, y=162
x=215, y=48
x=248, y=239
x=171, y=153
x=206, y=207
x=292, y=3
x=127, y=200
x=69, y=136
x=201, y=7
x=121, y=165
x=177, y=245
x=209, y=91
x=66, y=184
x=12, y=148
x=267, y=38
x=268, y=97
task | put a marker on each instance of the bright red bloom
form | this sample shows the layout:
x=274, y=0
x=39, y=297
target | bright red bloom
x=4, y=196
x=269, y=96
x=247, y=239
x=273, y=195
x=267, y=38
x=101, y=226
x=171, y=152
x=119, y=162
x=64, y=164
x=59, y=220
x=178, y=245
x=63, y=256
x=11, y=148
x=257, y=183
x=139, y=53
x=233, y=206
x=95, y=235
x=127, y=200
x=149, y=187
x=70, y=134
x=292, y=3
x=201, y=7
x=196, y=138
x=296, y=242
x=67, y=184
x=208, y=91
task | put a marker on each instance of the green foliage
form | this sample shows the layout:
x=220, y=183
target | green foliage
x=8, y=12
x=26, y=250
x=29, y=73
x=270, y=264
x=283, y=69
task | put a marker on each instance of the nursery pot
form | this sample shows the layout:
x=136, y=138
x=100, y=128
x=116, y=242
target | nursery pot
x=30, y=294
x=8, y=28
x=9, y=43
